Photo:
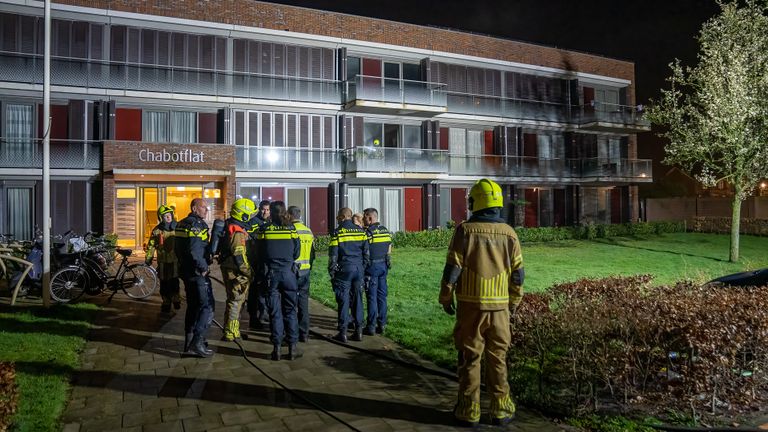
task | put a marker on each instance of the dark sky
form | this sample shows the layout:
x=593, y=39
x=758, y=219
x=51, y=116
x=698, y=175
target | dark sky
x=649, y=32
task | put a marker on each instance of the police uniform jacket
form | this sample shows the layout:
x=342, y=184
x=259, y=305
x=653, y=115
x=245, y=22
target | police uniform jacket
x=380, y=240
x=192, y=245
x=307, y=254
x=348, y=246
x=278, y=247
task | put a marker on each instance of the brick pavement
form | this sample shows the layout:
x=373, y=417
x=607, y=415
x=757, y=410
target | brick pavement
x=132, y=378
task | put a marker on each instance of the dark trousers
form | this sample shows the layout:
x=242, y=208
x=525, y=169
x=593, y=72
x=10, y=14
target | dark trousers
x=303, y=313
x=257, y=301
x=348, y=288
x=200, y=306
x=376, y=295
x=169, y=290
x=283, y=299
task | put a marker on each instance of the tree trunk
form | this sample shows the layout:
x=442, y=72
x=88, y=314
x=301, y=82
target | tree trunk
x=735, y=224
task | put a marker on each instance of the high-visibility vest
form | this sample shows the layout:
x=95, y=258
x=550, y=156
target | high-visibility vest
x=306, y=238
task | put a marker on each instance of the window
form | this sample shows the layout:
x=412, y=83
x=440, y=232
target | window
x=18, y=145
x=269, y=58
x=372, y=134
x=19, y=201
x=388, y=201
x=353, y=67
x=412, y=136
x=266, y=129
x=183, y=127
x=155, y=126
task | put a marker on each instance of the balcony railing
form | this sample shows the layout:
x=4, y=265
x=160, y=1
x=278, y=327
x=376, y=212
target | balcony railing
x=394, y=90
x=523, y=109
x=288, y=160
x=599, y=168
x=28, y=68
x=395, y=160
x=514, y=166
x=65, y=154
x=608, y=116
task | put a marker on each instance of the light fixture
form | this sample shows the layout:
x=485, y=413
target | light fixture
x=272, y=157
x=763, y=185
x=142, y=176
x=181, y=188
x=643, y=175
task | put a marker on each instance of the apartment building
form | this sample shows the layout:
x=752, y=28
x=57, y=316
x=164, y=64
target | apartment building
x=160, y=102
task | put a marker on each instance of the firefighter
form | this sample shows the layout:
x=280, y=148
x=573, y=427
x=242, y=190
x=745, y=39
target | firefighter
x=161, y=240
x=484, y=270
x=306, y=258
x=278, y=248
x=348, y=257
x=257, y=295
x=376, y=275
x=193, y=252
x=235, y=266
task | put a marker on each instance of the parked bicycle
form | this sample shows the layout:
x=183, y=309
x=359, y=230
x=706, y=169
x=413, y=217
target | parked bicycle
x=91, y=274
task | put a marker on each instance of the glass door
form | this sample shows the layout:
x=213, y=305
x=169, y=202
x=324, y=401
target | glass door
x=149, y=200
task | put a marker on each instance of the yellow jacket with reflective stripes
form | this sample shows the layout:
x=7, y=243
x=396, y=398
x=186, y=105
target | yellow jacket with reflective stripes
x=306, y=256
x=486, y=254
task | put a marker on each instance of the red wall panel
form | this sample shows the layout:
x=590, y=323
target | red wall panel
x=273, y=193
x=530, y=145
x=532, y=208
x=444, y=138
x=59, y=121
x=488, y=142
x=616, y=205
x=413, y=205
x=318, y=210
x=206, y=127
x=127, y=124
x=458, y=204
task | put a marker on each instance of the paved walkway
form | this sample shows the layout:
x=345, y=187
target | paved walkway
x=133, y=379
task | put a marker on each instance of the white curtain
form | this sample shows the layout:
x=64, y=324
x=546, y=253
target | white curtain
x=457, y=141
x=545, y=146
x=18, y=133
x=474, y=143
x=155, y=126
x=412, y=137
x=392, y=217
x=371, y=198
x=354, y=198
x=183, y=127
x=20, y=213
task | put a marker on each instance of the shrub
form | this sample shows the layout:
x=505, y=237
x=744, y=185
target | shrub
x=9, y=394
x=618, y=340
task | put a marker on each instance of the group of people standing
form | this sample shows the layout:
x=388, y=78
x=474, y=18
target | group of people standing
x=266, y=255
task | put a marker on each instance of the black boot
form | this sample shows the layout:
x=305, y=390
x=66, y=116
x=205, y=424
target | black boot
x=198, y=348
x=358, y=336
x=294, y=352
x=188, y=341
x=276, y=353
x=340, y=336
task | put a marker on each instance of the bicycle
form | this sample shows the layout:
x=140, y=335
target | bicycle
x=89, y=275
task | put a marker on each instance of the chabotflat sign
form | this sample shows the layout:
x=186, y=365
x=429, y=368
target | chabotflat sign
x=181, y=156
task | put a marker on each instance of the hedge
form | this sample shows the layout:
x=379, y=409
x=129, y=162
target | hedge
x=439, y=238
x=700, y=350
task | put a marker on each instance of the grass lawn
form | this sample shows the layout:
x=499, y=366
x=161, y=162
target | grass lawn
x=45, y=345
x=418, y=322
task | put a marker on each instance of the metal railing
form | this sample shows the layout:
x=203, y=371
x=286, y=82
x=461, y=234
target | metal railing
x=617, y=168
x=395, y=160
x=28, y=68
x=604, y=112
x=514, y=166
x=524, y=109
x=395, y=90
x=65, y=154
x=288, y=160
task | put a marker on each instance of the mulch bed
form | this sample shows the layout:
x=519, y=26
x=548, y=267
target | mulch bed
x=9, y=394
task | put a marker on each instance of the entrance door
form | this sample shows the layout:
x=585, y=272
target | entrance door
x=149, y=200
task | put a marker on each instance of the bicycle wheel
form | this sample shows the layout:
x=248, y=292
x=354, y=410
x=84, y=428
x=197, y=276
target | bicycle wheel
x=139, y=281
x=68, y=284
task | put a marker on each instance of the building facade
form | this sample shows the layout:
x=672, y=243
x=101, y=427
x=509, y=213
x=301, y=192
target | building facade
x=161, y=102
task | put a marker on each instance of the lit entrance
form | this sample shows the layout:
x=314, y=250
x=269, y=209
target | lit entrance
x=136, y=207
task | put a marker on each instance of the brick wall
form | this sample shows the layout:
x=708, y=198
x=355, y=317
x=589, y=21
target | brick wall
x=332, y=24
x=127, y=155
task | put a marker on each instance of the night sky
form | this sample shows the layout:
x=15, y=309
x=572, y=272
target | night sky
x=649, y=32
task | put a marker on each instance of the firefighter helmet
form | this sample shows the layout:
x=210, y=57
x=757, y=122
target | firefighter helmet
x=485, y=194
x=243, y=209
x=163, y=210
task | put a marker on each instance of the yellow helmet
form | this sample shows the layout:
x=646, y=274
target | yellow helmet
x=242, y=209
x=485, y=194
x=163, y=210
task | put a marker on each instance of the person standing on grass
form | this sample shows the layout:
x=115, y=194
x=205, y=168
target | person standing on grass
x=161, y=241
x=348, y=257
x=193, y=251
x=484, y=272
x=376, y=274
x=306, y=258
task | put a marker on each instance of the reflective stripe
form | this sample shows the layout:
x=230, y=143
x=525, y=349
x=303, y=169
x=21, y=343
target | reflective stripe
x=277, y=236
x=352, y=237
x=306, y=238
x=202, y=234
x=385, y=239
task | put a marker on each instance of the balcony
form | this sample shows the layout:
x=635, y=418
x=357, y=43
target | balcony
x=379, y=95
x=517, y=167
x=94, y=74
x=518, y=109
x=605, y=117
x=28, y=154
x=402, y=162
x=616, y=170
x=287, y=160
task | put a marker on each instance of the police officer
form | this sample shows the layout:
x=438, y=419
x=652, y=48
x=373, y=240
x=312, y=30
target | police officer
x=306, y=258
x=161, y=240
x=348, y=256
x=278, y=248
x=194, y=257
x=376, y=274
x=235, y=266
x=484, y=271
x=257, y=296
